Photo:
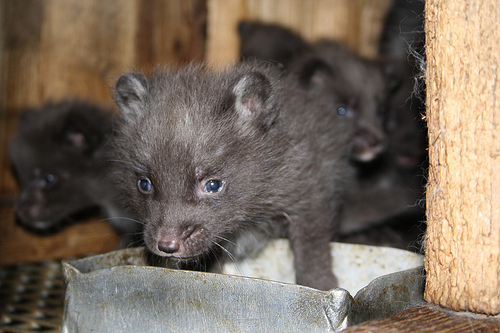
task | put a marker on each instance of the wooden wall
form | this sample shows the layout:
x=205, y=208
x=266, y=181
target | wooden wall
x=58, y=49
x=357, y=23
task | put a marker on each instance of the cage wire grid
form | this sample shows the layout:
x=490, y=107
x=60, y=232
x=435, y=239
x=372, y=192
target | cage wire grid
x=31, y=297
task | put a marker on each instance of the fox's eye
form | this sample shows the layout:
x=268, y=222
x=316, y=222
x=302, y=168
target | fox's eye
x=213, y=186
x=345, y=111
x=49, y=179
x=144, y=185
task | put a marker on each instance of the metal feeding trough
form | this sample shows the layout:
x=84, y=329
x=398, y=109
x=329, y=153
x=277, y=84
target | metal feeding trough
x=116, y=292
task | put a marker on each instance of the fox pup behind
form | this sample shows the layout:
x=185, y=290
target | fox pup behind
x=386, y=149
x=363, y=79
x=60, y=156
x=217, y=163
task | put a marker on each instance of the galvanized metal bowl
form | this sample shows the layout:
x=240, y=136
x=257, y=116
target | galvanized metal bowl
x=116, y=292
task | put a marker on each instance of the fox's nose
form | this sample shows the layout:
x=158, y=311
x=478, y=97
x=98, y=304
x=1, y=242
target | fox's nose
x=170, y=244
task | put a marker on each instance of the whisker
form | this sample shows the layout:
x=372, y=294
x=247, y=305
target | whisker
x=288, y=218
x=120, y=161
x=123, y=218
x=246, y=258
x=231, y=256
x=229, y=241
x=137, y=239
x=219, y=262
x=226, y=251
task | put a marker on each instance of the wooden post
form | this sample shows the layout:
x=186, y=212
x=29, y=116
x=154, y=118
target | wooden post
x=463, y=193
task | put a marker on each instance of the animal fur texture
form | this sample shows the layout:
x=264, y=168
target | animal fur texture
x=364, y=79
x=218, y=162
x=387, y=150
x=60, y=156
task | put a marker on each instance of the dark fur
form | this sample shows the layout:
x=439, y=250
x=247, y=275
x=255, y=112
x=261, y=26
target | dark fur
x=403, y=42
x=388, y=150
x=393, y=186
x=404, y=30
x=60, y=156
x=369, y=89
x=280, y=149
x=363, y=80
x=269, y=42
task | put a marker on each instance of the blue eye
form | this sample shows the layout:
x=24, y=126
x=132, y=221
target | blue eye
x=342, y=110
x=48, y=180
x=144, y=185
x=213, y=186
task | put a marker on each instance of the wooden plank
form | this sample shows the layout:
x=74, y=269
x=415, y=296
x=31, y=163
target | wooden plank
x=21, y=27
x=85, y=45
x=170, y=32
x=463, y=193
x=18, y=245
x=429, y=319
x=357, y=23
x=60, y=49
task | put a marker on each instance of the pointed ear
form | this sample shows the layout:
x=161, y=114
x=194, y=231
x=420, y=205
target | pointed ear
x=314, y=72
x=77, y=135
x=255, y=100
x=244, y=28
x=76, y=139
x=130, y=92
x=85, y=128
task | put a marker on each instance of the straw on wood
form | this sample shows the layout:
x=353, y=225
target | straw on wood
x=463, y=193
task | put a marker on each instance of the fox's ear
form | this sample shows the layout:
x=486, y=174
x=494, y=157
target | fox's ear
x=82, y=129
x=254, y=100
x=314, y=72
x=130, y=93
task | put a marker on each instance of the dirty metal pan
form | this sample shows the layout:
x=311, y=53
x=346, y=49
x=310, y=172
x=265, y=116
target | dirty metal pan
x=116, y=292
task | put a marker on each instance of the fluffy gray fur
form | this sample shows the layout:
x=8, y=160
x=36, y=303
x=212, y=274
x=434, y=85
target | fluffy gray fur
x=360, y=78
x=279, y=149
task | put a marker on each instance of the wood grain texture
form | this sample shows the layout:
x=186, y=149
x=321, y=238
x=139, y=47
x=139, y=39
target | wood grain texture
x=429, y=319
x=17, y=245
x=20, y=53
x=463, y=193
x=52, y=50
x=170, y=32
x=357, y=23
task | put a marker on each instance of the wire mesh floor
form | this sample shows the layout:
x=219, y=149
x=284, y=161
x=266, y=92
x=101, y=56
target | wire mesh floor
x=31, y=297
